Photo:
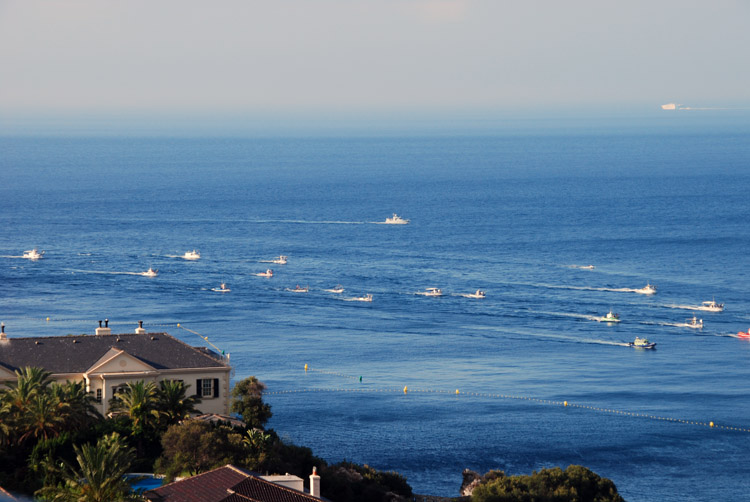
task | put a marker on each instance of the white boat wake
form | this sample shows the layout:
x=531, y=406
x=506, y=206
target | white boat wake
x=103, y=272
x=568, y=314
x=316, y=222
x=588, y=288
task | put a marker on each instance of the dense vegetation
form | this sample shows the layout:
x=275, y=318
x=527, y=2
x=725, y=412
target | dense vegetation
x=55, y=445
x=576, y=483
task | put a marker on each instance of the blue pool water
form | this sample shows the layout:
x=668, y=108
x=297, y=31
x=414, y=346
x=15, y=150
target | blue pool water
x=508, y=213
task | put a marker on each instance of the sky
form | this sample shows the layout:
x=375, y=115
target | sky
x=368, y=57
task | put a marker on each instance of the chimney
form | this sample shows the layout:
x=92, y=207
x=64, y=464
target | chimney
x=315, y=483
x=3, y=336
x=105, y=330
x=139, y=330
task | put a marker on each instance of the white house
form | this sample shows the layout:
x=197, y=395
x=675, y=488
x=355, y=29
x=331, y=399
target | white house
x=106, y=361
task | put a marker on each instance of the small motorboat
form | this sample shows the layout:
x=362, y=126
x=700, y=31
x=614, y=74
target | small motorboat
x=366, y=298
x=694, y=323
x=299, y=289
x=336, y=289
x=586, y=267
x=648, y=289
x=396, y=220
x=33, y=254
x=150, y=272
x=712, y=306
x=222, y=289
x=610, y=317
x=281, y=260
x=744, y=334
x=431, y=292
x=192, y=255
x=478, y=294
x=267, y=273
x=642, y=343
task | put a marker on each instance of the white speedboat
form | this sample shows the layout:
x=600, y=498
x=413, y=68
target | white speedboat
x=150, y=273
x=610, y=317
x=396, y=220
x=642, y=343
x=586, y=267
x=648, y=289
x=299, y=289
x=366, y=298
x=267, y=273
x=478, y=294
x=336, y=289
x=192, y=255
x=33, y=254
x=431, y=292
x=222, y=289
x=712, y=306
x=694, y=323
x=281, y=260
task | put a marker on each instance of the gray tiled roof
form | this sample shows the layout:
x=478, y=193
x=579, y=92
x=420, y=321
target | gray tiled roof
x=77, y=353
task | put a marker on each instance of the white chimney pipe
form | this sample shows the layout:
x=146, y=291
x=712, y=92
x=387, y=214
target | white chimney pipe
x=315, y=483
x=105, y=330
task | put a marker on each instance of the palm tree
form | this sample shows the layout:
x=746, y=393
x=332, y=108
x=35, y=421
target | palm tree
x=98, y=477
x=18, y=399
x=137, y=400
x=42, y=419
x=6, y=416
x=173, y=403
x=76, y=404
x=29, y=382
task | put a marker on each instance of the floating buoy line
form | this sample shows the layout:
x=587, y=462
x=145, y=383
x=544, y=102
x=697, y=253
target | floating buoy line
x=457, y=392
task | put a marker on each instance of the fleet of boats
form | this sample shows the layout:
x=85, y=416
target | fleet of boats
x=33, y=254
x=648, y=289
x=396, y=220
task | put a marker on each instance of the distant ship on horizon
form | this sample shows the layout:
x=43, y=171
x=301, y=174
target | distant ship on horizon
x=671, y=106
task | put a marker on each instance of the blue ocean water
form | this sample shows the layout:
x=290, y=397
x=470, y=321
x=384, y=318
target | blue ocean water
x=511, y=214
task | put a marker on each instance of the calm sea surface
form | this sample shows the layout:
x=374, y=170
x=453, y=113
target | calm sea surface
x=509, y=214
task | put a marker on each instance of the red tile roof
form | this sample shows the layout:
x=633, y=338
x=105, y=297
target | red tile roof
x=260, y=490
x=209, y=486
x=227, y=484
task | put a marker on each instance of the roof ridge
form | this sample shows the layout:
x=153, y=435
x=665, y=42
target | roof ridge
x=70, y=335
x=277, y=485
x=195, y=476
x=198, y=350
